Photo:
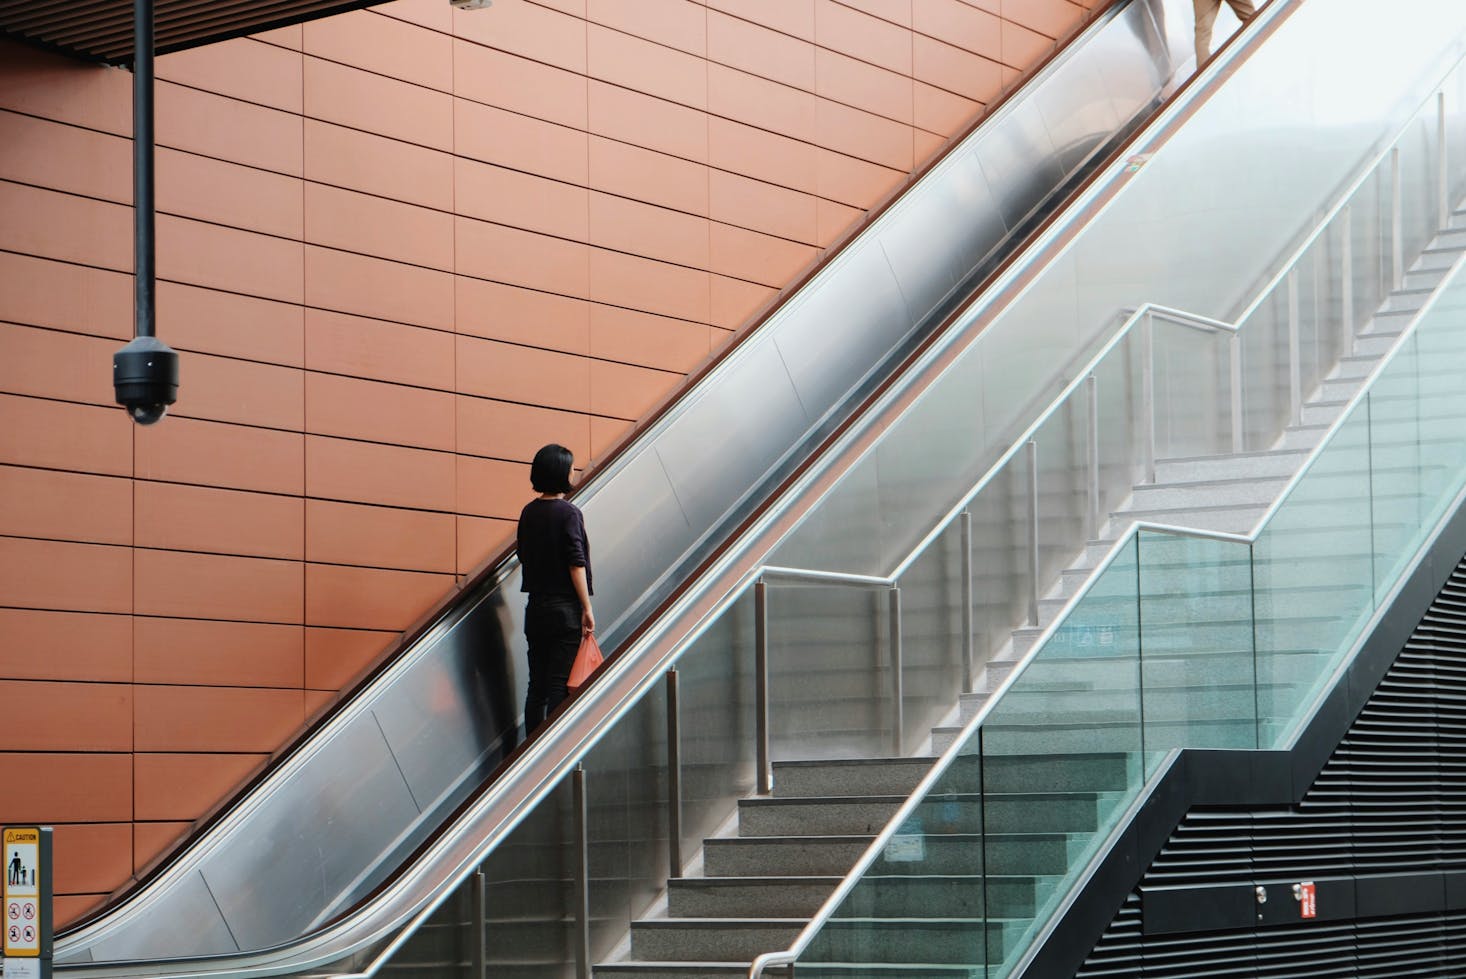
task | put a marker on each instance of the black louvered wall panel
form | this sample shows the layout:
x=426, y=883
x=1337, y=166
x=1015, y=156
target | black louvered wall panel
x=1390, y=800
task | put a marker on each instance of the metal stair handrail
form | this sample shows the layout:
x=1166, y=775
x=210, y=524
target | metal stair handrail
x=939, y=768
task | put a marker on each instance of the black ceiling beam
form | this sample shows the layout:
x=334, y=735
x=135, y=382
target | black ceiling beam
x=101, y=31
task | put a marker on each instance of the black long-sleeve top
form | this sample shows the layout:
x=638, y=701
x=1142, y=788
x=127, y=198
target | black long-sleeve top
x=552, y=541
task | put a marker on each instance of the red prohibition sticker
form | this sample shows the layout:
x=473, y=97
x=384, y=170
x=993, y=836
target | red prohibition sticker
x=1308, y=899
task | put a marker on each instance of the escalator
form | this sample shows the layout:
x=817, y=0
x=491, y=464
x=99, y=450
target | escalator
x=336, y=815
x=387, y=771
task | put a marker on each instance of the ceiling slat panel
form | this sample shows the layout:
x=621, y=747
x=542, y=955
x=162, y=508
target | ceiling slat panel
x=102, y=30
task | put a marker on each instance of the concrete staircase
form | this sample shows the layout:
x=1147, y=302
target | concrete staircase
x=1057, y=755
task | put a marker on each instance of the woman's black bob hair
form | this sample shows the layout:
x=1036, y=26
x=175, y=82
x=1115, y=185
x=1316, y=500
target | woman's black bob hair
x=550, y=471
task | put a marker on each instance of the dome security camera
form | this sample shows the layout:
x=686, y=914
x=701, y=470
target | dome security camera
x=145, y=378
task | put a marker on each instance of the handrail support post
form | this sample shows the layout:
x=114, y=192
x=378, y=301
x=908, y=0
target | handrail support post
x=898, y=685
x=1033, y=562
x=1091, y=386
x=1234, y=363
x=969, y=636
x=1295, y=368
x=478, y=946
x=1397, y=222
x=1346, y=259
x=1443, y=178
x=1147, y=394
x=582, y=874
x=674, y=777
x=765, y=776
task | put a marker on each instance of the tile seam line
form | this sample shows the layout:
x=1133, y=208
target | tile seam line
x=813, y=42
x=610, y=84
x=63, y=331
x=305, y=242
x=335, y=435
x=452, y=211
x=187, y=618
x=336, y=124
x=422, y=268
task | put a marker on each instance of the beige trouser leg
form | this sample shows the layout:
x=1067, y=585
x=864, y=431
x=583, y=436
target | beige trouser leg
x=1206, y=18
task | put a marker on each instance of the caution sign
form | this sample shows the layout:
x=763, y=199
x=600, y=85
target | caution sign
x=1308, y=899
x=22, y=892
x=25, y=910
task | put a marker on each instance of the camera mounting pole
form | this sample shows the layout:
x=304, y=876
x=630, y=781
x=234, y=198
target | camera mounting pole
x=145, y=253
x=145, y=372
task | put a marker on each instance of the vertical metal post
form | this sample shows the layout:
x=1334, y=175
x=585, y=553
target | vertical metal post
x=898, y=685
x=582, y=874
x=1234, y=358
x=143, y=183
x=674, y=778
x=1032, y=533
x=1397, y=222
x=1091, y=387
x=1295, y=368
x=765, y=776
x=1443, y=182
x=1147, y=394
x=968, y=634
x=1346, y=260
x=478, y=948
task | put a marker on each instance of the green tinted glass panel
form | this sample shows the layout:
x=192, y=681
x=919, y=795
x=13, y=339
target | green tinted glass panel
x=1061, y=755
x=1197, y=662
x=1313, y=568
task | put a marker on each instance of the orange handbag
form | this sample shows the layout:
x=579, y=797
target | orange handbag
x=587, y=659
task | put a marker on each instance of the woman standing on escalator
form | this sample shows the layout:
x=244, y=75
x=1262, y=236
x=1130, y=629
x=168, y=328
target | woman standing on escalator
x=554, y=557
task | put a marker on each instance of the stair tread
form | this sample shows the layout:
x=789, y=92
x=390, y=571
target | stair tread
x=747, y=923
x=1213, y=481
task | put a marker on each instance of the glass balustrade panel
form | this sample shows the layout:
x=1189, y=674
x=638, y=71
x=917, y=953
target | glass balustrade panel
x=1062, y=756
x=715, y=692
x=931, y=634
x=1313, y=568
x=1192, y=383
x=1196, y=656
x=830, y=672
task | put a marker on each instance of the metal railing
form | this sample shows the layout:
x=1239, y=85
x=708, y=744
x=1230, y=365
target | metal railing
x=960, y=746
x=1388, y=162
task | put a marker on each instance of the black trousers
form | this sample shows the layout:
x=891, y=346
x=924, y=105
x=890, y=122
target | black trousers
x=552, y=627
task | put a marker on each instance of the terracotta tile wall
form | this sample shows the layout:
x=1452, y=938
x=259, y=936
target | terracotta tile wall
x=399, y=250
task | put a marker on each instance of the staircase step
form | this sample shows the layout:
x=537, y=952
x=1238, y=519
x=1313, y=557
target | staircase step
x=1302, y=436
x=1234, y=519
x=805, y=856
x=834, y=816
x=905, y=941
x=1406, y=300
x=893, y=894
x=1437, y=258
x=881, y=970
x=1238, y=466
x=736, y=897
x=1356, y=365
x=1205, y=494
x=1375, y=344
x=711, y=939
x=1339, y=388
x=1423, y=279
x=1322, y=412
x=849, y=777
x=667, y=970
